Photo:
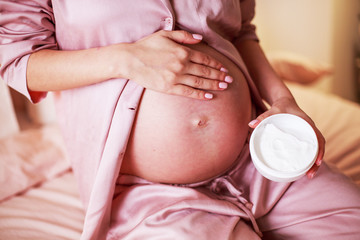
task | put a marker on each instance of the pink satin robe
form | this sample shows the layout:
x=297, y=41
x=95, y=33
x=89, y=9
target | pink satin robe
x=96, y=120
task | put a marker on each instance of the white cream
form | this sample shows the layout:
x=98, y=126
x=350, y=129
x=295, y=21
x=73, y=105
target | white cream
x=283, y=151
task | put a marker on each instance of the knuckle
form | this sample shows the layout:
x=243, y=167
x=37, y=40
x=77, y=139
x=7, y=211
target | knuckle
x=206, y=60
x=170, y=78
x=162, y=85
x=205, y=71
x=188, y=91
x=184, y=34
x=182, y=53
x=178, y=66
x=198, y=94
x=198, y=82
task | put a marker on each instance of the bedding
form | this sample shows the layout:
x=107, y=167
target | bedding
x=29, y=158
x=8, y=122
x=297, y=68
x=51, y=210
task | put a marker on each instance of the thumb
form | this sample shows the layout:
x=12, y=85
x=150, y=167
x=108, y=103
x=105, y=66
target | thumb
x=184, y=37
x=256, y=121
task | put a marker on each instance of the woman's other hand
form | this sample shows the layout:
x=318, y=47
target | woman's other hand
x=288, y=105
x=161, y=62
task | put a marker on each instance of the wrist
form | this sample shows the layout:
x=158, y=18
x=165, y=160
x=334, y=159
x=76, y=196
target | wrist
x=274, y=89
x=118, y=57
x=280, y=94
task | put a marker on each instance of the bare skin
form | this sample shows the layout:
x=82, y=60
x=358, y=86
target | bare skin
x=182, y=140
x=159, y=62
x=180, y=71
x=275, y=93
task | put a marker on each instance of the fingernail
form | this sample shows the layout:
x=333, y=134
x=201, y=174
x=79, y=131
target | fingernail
x=318, y=162
x=312, y=175
x=223, y=85
x=197, y=36
x=224, y=70
x=229, y=79
x=253, y=123
x=208, y=95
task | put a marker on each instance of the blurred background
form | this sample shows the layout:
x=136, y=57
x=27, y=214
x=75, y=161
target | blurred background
x=325, y=31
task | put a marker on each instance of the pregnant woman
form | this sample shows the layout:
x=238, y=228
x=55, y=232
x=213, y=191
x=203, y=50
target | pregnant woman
x=155, y=99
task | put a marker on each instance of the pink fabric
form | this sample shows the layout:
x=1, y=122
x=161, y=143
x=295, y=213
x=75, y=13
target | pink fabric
x=96, y=147
x=183, y=196
x=51, y=210
x=225, y=207
x=25, y=163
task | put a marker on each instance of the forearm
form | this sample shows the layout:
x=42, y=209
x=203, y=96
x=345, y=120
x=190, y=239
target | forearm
x=271, y=87
x=52, y=70
x=161, y=62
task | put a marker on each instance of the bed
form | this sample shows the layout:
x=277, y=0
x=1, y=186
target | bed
x=38, y=194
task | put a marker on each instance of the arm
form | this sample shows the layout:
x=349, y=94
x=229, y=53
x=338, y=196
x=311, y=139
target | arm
x=53, y=70
x=270, y=86
x=31, y=63
x=159, y=62
x=274, y=91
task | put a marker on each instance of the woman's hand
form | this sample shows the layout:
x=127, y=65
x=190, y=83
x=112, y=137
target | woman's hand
x=162, y=62
x=288, y=105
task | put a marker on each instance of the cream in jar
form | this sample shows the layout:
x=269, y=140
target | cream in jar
x=283, y=147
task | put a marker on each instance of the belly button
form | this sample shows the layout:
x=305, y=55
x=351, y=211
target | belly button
x=201, y=122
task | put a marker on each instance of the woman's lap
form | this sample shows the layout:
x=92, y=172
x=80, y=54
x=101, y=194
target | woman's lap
x=159, y=211
x=326, y=206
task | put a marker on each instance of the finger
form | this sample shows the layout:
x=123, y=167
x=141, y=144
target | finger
x=204, y=59
x=203, y=83
x=321, y=150
x=312, y=172
x=267, y=114
x=208, y=72
x=182, y=36
x=254, y=123
x=186, y=91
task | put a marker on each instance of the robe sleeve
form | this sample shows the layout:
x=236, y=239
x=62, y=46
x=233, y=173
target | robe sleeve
x=26, y=26
x=247, y=31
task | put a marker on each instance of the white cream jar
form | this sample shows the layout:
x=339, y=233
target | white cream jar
x=283, y=147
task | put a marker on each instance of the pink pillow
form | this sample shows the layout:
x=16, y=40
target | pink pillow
x=29, y=158
x=296, y=68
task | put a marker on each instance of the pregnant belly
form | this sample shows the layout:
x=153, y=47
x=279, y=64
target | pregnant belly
x=181, y=140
